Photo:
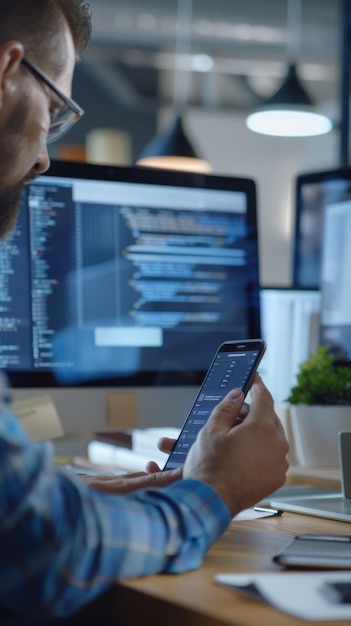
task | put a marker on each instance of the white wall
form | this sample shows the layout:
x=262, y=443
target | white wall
x=273, y=162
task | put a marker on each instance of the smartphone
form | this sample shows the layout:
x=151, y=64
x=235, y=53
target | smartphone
x=234, y=365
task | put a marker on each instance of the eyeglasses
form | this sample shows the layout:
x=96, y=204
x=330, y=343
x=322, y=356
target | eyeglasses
x=67, y=111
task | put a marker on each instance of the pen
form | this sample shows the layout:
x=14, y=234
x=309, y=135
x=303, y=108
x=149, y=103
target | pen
x=262, y=509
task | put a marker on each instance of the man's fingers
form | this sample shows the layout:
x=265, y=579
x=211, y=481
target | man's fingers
x=166, y=444
x=258, y=387
x=128, y=483
x=260, y=394
x=161, y=479
x=152, y=467
x=227, y=412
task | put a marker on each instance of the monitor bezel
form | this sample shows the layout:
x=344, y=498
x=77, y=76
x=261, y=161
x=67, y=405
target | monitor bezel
x=150, y=176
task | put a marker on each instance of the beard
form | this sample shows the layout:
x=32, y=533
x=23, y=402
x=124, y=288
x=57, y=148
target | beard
x=9, y=207
x=10, y=147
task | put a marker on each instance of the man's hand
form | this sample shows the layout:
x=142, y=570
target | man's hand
x=131, y=482
x=166, y=445
x=153, y=477
x=242, y=457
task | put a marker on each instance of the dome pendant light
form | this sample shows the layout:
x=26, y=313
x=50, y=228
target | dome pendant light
x=172, y=149
x=289, y=112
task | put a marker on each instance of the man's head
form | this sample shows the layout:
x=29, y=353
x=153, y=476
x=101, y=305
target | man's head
x=35, y=36
x=38, y=25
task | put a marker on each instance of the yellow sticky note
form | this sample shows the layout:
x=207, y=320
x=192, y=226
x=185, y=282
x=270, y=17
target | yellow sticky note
x=39, y=417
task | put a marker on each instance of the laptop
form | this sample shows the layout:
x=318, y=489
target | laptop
x=330, y=506
x=335, y=506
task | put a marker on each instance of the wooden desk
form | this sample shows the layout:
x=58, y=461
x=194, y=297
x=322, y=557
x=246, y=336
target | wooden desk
x=193, y=599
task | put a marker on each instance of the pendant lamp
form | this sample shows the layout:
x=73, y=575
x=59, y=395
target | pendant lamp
x=172, y=149
x=289, y=112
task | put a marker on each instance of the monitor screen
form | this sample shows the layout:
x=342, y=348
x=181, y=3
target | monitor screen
x=127, y=276
x=315, y=192
x=335, y=283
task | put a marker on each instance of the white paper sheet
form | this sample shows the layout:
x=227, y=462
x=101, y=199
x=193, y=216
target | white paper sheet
x=298, y=593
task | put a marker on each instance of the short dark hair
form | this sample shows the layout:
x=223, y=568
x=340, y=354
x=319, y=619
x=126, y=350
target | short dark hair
x=77, y=14
x=36, y=23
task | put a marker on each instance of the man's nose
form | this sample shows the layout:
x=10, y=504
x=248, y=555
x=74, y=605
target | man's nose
x=43, y=161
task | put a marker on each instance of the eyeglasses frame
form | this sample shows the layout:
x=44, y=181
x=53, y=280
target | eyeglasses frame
x=69, y=102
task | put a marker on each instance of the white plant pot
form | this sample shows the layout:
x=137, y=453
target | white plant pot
x=315, y=432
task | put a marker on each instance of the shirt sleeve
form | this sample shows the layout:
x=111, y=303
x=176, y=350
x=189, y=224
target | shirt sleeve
x=63, y=543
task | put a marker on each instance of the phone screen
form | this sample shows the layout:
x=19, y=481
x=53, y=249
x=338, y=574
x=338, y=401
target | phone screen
x=234, y=365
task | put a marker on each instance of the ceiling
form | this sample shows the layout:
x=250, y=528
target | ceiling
x=230, y=54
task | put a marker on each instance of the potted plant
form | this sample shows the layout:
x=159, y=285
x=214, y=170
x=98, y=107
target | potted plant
x=320, y=408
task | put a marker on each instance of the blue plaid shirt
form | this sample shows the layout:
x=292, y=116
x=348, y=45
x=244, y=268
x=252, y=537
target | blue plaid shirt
x=63, y=543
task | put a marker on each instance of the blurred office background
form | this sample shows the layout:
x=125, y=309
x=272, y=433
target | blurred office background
x=231, y=55
x=215, y=63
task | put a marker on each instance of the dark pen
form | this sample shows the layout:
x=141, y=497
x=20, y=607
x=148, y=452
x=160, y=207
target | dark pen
x=262, y=509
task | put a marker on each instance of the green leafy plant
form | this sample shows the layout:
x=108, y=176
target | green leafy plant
x=321, y=381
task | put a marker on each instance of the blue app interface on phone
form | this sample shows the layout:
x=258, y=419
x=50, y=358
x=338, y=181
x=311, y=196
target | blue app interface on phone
x=229, y=370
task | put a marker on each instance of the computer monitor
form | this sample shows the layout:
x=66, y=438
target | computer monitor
x=335, y=279
x=126, y=279
x=315, y=191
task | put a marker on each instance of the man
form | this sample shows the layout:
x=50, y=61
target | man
x=63, y=542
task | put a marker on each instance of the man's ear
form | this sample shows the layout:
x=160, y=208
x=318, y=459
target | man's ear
x=11, y=55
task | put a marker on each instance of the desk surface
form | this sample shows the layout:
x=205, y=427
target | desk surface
x=193, y=599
